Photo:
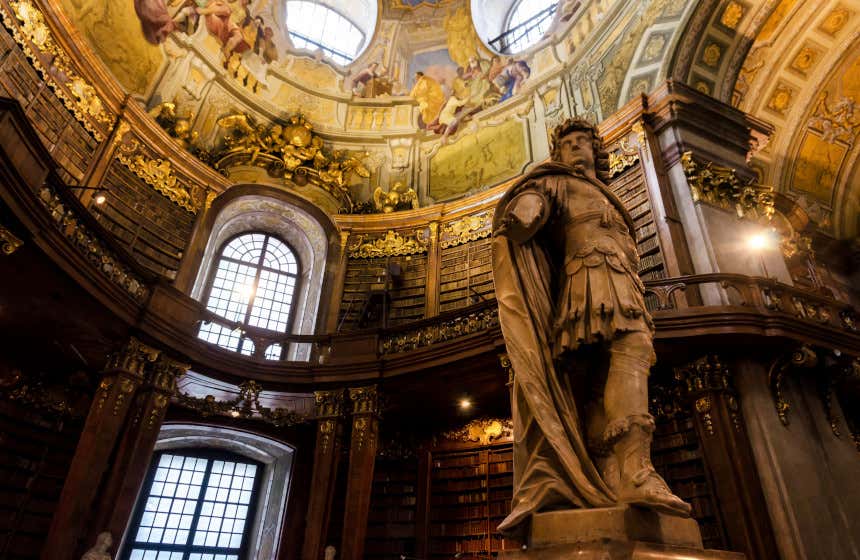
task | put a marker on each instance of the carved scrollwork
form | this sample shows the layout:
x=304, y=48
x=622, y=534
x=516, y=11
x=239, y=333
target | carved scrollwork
x=721, y=187
x=802, y=357
x=246, y=405
x=132, y=358
x=365, y=400
x=448, y=329
x=9, y=243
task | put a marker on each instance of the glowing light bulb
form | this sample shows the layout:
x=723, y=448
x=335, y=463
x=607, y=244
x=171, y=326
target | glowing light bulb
x=465, y=404
x=100, y=199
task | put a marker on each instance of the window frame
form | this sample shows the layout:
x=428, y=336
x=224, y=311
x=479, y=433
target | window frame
x=211, y=455
x=329, y=50
x=213, y=272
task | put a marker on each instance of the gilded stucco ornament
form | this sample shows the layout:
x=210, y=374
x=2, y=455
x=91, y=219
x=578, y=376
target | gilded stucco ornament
x=442, y=331
x=32, y=34
x=398, y=197
x=721, y=187
x=483, y=431
x=157, y=172
x=290, y=150
x=389, y=244
x=467, y=228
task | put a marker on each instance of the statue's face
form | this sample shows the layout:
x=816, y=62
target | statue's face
x=575, y=149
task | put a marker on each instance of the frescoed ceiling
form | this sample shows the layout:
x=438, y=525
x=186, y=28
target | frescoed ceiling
x=424, y=80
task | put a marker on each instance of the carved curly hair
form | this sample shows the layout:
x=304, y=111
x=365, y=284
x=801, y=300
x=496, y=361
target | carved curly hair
x=601, y=157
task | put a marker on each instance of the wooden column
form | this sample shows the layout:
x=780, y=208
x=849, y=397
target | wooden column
x=434, y=267
x=136, y=446
x=706, y=385
x=113, y=399
x=362, y=456
x=329, y=405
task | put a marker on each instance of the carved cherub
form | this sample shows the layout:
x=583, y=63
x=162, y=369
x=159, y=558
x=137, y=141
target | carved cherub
x=244, y=135
x=398, y=197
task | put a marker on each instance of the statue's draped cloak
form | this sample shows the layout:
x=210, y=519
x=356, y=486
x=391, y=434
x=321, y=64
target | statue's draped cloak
x=552, y=467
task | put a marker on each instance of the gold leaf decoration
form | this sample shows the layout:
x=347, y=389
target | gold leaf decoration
x=721, y=187
x=390, y=244
x=483, y=431
x=33, y=35
x=465, y=229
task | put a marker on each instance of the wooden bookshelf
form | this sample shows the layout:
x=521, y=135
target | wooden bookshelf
x=466, y=274
x=391, y=522
x=630, y=187
x=470, y=494
x=677, y=456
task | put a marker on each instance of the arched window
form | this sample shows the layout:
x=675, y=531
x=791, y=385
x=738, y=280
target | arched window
x=313, y=25
x=527, y=23
x=254, y=284
x=195, y=505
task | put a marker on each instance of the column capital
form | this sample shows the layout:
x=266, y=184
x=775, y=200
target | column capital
x=365, y=400
x=165, y=372
x=329, y=404
x=132, y=358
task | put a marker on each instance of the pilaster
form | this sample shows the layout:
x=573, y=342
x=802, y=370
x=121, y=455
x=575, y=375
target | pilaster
x=329, y=407
x=705, y=388
x=122, y=377
x=362, y=455
x=434, y=267
x=136, y=446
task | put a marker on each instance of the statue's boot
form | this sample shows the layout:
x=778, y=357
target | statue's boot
x=639, y=483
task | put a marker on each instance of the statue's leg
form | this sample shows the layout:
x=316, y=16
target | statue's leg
x=596, y=420
x=630, y=428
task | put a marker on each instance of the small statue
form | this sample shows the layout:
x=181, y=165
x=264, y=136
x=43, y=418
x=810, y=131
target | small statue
x=572, y=312
x=330, y=552
x=177, y=123
x=399, y=197
x=100, y=550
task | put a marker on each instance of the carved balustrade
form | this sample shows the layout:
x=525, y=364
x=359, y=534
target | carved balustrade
x=767, y=296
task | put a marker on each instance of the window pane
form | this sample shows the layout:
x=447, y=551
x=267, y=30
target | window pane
x=168, y=513
x=315, y=26
x=255, y=269
x=529, y=22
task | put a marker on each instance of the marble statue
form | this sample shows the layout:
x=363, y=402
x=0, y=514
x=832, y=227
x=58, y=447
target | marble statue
x=100, y=550
x=572, y=312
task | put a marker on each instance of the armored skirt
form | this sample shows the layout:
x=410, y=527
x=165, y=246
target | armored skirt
x=600, y=295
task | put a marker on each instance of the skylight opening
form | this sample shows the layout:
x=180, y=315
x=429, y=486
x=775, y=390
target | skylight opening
x=528, y=22
x=314, y=26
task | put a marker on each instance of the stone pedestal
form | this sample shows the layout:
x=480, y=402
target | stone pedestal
x=617, y=533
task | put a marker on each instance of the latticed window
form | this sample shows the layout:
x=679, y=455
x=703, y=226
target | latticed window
x=254, y=283
x=195, y=505
x=528, y=22
x=313, y=25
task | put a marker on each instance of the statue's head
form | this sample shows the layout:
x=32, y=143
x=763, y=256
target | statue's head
x=104, y=541
x=576, y=142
